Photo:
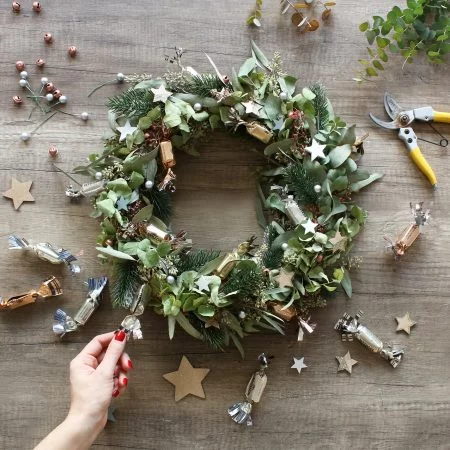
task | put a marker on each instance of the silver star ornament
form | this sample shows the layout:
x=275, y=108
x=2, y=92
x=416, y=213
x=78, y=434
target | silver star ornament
x=316, y=150
x=161, y=94
x=309, y=226
x=126, y=130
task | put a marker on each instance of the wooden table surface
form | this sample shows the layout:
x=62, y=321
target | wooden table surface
x=377, y=406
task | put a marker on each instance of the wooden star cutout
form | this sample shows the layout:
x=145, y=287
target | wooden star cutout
x=212, y=323
x=203, y=283
x=346, y=362
x=338, y=242
x=19, y=192
x=161, y=94
x=284, y=279
x=405, y=323
x=316, y=150
x=251, y=107
x=126, y=130
x=187, y=380
x=298, y=364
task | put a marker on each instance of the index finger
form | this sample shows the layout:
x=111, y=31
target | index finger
x=97, y=344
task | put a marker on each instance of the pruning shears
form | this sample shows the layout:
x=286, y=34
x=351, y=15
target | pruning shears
x=401, y=119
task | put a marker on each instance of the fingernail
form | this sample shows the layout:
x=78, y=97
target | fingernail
x=120, y=336
x=125, y=381
x=130, y=364
x=115, y=393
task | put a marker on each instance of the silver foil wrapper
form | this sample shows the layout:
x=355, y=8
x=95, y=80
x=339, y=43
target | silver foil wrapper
x=86, y=190
x=293, y=211
x=131, y=324
x=351, y=327
x=45, y=251
x=65, y=324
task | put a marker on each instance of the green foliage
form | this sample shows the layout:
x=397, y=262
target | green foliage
x=202, y=85
x=195, y=259
x=246, y=278
x=131, y=103
x=256, y=14
x=422, y=27
x=272, y=256
x=321, y=106
x=300, y=181
x=214, y=337
x=162, y=204
x=125, y=283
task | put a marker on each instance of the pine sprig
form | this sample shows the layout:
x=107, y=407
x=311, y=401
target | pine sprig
x=162, y=204
x=301, y=183
x=131, y=103
x=125, y=284
x=247, y=280
x=271, y=258
x=211, y=335
x=320, y=106
x=195, y=259
x=202, y=85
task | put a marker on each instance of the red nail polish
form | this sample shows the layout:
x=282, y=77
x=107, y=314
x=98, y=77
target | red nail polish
x=125, y=381
x=130, y=364
x=120, y=336
x=115, y=393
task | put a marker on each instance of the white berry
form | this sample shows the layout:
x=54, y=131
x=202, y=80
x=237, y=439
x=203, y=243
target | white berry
x=44, y=80
x=284, y=246
x=84, y=116
x=120, y=77
x=149, y=184
x=25, y=136
x=198, y=107
x=49, y=97
x=23, y=83
x=98, y=176
x=63, y=99
x=170, y=279
x=283, y=96
x=24, y=74
x=317, y=188
x=242, y=315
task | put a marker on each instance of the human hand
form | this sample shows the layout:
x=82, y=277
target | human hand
x=98, y=373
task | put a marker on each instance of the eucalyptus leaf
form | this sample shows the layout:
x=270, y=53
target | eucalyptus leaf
x=186, y=325
x=339, y=155
x=355, y=187
x=247, y=67
x=274, y=201
x=106, y=207
x=346, y=283
x=284, y=145
x=114, y=253
x=260, y=55
x=143, y=214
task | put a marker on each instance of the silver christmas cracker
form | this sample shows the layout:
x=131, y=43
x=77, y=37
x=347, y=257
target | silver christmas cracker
x=65, y=323
x=351, y=327
x=240, y=411
x=131, y=324
x=45, y=251
x=86, y=189
x=293, y=211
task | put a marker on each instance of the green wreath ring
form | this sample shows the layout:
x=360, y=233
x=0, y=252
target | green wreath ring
x=304, y=199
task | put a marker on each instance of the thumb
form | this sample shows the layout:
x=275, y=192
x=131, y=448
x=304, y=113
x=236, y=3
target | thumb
x=113, y=352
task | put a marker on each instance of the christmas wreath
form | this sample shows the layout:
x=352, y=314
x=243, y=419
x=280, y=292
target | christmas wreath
x=304, y=199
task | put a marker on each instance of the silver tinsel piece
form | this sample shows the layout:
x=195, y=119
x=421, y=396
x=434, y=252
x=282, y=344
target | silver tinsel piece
x=240, y=413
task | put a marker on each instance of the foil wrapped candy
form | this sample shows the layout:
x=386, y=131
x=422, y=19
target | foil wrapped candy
x=50, y=287
x=351, y=327
x=45, y=251
x=65, y=323
x=131, y=324
x=240, y=411
x=86, y=189
x=409, y=235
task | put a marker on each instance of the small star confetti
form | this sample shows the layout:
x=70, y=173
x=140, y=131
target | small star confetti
x=338, y=242
x=251, y=108
x=278, y=124
x=19, y=192
x=284, y=279
x=126, y=130
x=309, y=226
x=187, y=380
x=161, y=94
x=316, y=150
x=346, y=362
x=298, y=364
x=405, y=323
x=122, y=204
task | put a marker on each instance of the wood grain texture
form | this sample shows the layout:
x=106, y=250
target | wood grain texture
x=377, y=407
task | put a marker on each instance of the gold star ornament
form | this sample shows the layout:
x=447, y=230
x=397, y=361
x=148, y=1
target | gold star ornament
x=19, y=192
x=346, y=362
x=187, y=380
x=405, y=323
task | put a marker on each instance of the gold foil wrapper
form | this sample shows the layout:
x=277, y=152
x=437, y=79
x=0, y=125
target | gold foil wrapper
x=167, y=182
x=406, y=239
x=156, y=233
x=226, y=266
x=259, y=132
x=166, y=154
x=49, y=288
x=286, y=314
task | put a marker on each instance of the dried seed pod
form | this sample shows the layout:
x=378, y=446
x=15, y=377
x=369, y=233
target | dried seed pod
x=326, y=14
x=40, y=62
x=48, y=38
x=15, y=7
x=313, y=25
x=72, y=51
x=20, y=66
x=17, y=100
x=49, y=87
x=37, y=7
x=297, y=19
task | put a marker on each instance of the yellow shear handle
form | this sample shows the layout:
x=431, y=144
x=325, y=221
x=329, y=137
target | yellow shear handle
x=422, y=164
x=441, y=117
